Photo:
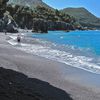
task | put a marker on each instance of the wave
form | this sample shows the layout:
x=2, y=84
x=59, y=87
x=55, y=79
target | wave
x=53, y=52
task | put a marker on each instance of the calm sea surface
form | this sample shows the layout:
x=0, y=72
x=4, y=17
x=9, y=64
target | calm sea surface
x=79, y=39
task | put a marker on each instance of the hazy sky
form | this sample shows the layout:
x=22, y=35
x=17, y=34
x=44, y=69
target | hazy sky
x=92, y=5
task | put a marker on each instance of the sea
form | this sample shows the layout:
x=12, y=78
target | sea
x=80, y=49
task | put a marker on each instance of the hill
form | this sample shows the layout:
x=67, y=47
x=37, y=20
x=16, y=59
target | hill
x=53, y=19
x=30, y=3
x=84, y=17
x=36, y=15
x=40, y=19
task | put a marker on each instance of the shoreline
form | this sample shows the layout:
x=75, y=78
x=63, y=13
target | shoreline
x=57, y=74
x=76, y=58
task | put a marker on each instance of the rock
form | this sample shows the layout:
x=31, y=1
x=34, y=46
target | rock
x=10, y=28
x=59, y=26
x=6, y=21
x=2, y=7
x=1, y=25
x=17, y=86
x=40, y=26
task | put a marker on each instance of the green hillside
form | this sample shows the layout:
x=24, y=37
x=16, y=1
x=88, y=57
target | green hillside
x=84, y=17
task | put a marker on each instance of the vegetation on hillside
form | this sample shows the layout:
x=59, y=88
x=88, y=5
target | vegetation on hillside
x=84, y=17
x=24, y=15
x=45, y=18
x=40, y=19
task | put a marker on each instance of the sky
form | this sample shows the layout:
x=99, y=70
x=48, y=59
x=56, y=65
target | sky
x=92, y=5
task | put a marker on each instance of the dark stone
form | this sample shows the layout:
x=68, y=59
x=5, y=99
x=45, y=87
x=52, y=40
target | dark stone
x=43, y=26
x=1, y=25
x=10, y=28
x=59, y=26
x=17, y=86
x=3, y=1
x=4, y=25
x=40, y=26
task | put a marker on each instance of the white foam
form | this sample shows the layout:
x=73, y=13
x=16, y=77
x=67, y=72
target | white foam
x=68, y=58
x=14, y=37
x=12, y=43
x=64, y=57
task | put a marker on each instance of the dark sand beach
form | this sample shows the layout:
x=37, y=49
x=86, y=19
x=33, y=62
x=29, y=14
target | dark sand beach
x=80, y=84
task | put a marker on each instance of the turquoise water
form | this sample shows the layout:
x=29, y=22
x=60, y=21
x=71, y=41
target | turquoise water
x=79, y=39
x=80, y=49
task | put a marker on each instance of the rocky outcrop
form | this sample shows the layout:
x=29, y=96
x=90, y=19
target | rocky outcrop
x=59, y=25
x=40, y=25
x=7, y=23
x=17, y=86
x=42, y=19
x=2, y=7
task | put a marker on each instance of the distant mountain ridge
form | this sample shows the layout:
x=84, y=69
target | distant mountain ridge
x=29, y=3
x=84, y=17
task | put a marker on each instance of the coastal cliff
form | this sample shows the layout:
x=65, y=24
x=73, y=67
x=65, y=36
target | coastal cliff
x=38, y=17
x=52, y=19
x=7, y=22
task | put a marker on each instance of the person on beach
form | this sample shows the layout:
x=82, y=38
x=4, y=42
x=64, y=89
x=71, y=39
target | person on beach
x=5, y=31
x=18, y=38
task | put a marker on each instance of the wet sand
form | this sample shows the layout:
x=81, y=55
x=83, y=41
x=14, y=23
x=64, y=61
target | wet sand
x=82, y=85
